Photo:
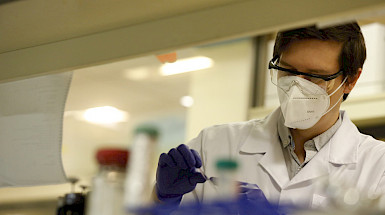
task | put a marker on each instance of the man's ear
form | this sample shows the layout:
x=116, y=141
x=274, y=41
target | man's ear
x=351, y=82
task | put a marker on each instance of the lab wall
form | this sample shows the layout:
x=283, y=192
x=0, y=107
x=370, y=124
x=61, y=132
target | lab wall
x=222, y=93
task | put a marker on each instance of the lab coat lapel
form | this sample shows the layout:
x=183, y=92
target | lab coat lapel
x=342, y=149
x=317, y=167
x=263, y=139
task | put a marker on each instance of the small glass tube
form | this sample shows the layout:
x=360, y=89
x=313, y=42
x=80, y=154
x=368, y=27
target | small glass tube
x=227, y=184
x=138, y=185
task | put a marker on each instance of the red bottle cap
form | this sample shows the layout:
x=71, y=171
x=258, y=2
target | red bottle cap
x=112, y=157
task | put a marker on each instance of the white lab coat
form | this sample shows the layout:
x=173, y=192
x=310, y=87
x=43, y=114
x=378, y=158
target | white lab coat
x=350, y=157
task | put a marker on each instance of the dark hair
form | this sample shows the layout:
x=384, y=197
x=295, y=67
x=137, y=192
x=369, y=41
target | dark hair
x=353, y=53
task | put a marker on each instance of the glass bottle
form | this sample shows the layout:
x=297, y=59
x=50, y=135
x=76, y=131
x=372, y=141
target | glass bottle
x=106, y=196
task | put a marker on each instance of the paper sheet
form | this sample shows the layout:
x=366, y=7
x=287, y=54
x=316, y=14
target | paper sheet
x=31, y=122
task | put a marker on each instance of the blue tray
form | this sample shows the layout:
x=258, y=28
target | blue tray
x=238, y=206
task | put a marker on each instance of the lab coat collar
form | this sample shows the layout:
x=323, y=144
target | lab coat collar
x=265, y=131
x=263, y=139
x=341, y=149
x=344, y=144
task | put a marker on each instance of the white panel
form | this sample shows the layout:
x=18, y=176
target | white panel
x=271, y=95
x=373, y=75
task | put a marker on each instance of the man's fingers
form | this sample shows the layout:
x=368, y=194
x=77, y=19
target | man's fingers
x=198, y=161
x=187, y=155
x=166, y=160
x=182, y=157
x=178, y=158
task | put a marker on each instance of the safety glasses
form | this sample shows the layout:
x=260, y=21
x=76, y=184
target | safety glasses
x=324, y=81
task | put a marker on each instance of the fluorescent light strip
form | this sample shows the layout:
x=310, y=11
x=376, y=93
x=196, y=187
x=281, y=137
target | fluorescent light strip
x=186, y=65
x=105, y=115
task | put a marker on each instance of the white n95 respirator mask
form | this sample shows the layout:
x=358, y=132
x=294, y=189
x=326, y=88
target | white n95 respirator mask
x=303, y=102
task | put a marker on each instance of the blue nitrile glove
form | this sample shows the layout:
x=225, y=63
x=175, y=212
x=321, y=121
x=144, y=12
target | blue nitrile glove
x=177, y=174
x=251, y=192
x=252, y=198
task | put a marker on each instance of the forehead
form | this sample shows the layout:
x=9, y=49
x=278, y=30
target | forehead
x=313, y=54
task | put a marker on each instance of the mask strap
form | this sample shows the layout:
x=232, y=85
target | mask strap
x=338, y=99
x=333, y=105
x=343, y=82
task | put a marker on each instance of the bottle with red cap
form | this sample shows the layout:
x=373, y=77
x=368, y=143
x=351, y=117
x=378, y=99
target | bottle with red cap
x=106, y=196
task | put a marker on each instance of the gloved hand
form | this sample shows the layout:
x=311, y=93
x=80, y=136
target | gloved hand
x=176, y=173
x=251, y=192
x=252, y=197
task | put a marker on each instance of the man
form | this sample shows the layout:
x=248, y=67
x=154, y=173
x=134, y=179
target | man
x=303, y=147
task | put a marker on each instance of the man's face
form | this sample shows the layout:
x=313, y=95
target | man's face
x=315, y=57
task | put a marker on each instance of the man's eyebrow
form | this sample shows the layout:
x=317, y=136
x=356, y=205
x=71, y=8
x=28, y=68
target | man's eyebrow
x=312, y=71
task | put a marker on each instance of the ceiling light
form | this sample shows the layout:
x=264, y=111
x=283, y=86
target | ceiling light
x=186, y=65
x=105, y=115
x=187, y=101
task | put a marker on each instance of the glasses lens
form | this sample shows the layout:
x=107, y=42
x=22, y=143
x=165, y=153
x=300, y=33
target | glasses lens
x=276, y=74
